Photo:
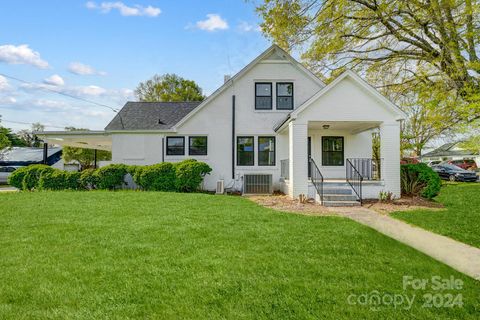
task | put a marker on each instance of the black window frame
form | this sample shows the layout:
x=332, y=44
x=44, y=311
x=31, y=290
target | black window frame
x=167, y=147
x=190, y=146
x=253, y=151
x=279, y=96
x=274, y=151
x=343, y=151
x=271, y=96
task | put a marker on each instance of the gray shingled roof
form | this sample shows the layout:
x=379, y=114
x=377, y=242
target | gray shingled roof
x=446, y=150
x=150, y=115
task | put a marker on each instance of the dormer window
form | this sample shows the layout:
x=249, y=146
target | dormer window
x=263, y=96
x=284, y=96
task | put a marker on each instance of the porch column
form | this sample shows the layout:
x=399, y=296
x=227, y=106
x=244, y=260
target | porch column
x=390, y=154
x=297, y=154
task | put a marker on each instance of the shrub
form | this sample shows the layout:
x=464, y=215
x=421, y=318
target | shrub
x=32, y=175
x=420, y=179
x=190, y=174
x=16, y=178
x=158, y=177
x=59, y=180
x=88, y=179
x=111, y=176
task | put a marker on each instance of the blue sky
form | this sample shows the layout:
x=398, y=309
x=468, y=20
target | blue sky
x=101, y=50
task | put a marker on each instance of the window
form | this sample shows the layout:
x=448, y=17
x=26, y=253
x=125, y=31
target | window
x=197, y=146
x=266, y=151
x=263, y=96
x=175, y=146
x=245, y=151
x=332, y=151
x=284, y=96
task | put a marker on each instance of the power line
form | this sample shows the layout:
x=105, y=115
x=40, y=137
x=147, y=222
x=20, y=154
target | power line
x=30, y=123
x=60, y=93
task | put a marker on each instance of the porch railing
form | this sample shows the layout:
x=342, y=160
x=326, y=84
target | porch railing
x=316, y=178
x=354, y=179
x=370, y=169
x=284, y=169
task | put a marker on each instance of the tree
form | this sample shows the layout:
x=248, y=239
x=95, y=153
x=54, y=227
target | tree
x=169, y=87
x=85, y=157
x=398, y=45
x=4, y=141
x=28, y=136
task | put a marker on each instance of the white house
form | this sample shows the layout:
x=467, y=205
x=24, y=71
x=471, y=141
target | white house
x=272, y=126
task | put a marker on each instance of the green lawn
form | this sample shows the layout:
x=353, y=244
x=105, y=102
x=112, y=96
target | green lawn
x=461, y=218
x=118, y=255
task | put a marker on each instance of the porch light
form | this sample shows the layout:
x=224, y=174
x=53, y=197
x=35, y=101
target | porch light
x=326, y=126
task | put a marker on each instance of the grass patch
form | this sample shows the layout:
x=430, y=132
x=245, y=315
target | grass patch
x=461, y=218
x=90, y=255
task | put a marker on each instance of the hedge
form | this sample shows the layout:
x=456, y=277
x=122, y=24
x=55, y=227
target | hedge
x=158, y=177
x=59, y=180
x=420, y=179
x=185, y=176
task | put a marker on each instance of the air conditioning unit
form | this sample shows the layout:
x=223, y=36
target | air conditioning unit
x=258, y=184
x=220, y=187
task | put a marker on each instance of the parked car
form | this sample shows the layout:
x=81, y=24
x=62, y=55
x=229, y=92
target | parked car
x=5, y=172
x=464, y=164
x=451, y=172
x=432, y=163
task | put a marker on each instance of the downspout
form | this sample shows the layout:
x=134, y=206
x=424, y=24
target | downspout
x=233, y=136
x=45, y=153
x=163, y=149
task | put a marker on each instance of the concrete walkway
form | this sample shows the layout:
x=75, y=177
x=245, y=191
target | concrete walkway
x=457, y=255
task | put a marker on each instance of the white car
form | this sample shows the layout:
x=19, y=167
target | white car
x=5, y=172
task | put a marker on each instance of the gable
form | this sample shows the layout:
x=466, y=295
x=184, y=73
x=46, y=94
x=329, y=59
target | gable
x=274, y=64
x=349, y=98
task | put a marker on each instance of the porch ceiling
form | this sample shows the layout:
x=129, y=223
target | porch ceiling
x=81, y=139
x=350, y=126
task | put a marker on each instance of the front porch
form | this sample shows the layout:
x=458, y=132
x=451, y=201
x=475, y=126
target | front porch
x=346, y=161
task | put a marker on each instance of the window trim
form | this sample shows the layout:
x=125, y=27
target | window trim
x=343, y=151
x=278, y=96
x=253, y=151
x=271, y=96
x=274, y=151
x=189, y=145
x=175, y=137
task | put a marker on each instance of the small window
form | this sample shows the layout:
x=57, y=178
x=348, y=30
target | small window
x=332, y=151
x=245, y=151
x=175, y=146
x=263, y=96
x=266, y=151
x=284, y=96
x=197, y=146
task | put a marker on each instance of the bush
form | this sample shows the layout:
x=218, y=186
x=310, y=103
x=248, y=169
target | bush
x=420, y=179
x=32, y=175
x=16, y=178
x=111, y=176
x=190, y=174
x=158, y=177
x=88, y=179
x=59, y=180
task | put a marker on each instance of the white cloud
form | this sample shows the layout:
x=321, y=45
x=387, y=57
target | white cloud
x=84, y=69
x=123, y=9
x=212, y=23
x=4, y=85
x=7, y=100
x=244, y=26
x=21, y=54
x=49, y=104
x=87, y=91
x=54, y=80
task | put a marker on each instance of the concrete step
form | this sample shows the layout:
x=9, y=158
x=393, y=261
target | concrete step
x=347, y=191
x=339, y=197
x=341, y=203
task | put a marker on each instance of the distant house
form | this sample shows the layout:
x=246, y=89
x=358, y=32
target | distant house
x=451, y=151
x=24, y=156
